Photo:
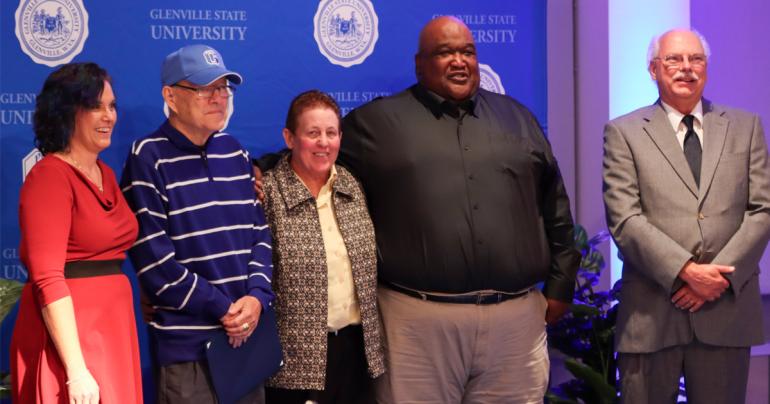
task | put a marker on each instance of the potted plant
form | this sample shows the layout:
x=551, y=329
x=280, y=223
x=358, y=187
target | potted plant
x=586, y=333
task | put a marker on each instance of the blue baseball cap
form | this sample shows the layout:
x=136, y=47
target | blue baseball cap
x=198, y=64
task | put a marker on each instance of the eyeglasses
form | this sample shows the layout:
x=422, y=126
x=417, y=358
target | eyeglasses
x=677, y=60
x=208, y=92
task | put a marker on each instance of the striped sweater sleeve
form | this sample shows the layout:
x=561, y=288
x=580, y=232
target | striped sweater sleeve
x=167, y=283
x=261, y=262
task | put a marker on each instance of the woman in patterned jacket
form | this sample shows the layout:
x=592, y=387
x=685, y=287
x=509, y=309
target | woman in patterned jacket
x=325, y=265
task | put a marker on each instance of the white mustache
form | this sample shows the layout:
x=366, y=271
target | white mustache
x=686, y=76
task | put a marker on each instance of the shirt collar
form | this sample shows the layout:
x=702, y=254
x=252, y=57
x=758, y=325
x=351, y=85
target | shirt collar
x=295, y=191
x=675, y=117
x=180, y=140
x=439, y=105
x=326, y=190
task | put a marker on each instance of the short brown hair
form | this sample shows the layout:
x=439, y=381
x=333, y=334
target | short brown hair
x=307, y=100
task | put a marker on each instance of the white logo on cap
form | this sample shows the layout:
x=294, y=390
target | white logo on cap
x=490, y=81
x=211, y=57
x=51, y=32
x=345, y=30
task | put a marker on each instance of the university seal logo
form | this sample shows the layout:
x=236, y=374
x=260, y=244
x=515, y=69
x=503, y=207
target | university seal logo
x=29, y=161
x=51, y=32
x=490, y=81
x=345, y=30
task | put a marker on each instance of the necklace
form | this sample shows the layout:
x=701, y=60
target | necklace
x=97, y=181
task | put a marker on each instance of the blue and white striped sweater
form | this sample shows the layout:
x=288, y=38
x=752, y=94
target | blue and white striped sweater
x=203, y=240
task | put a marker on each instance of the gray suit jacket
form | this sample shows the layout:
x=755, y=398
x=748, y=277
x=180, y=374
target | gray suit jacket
x=660, y=219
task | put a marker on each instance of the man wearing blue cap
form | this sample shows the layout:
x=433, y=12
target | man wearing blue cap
x=203, y=255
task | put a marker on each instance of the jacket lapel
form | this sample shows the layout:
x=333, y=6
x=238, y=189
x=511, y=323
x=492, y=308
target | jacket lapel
x=295, y=192
x=662, y=134
x=714, y=136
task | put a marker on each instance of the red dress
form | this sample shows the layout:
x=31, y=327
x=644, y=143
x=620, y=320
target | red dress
x=64, y=217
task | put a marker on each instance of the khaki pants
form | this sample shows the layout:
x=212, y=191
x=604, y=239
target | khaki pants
x=447, y=353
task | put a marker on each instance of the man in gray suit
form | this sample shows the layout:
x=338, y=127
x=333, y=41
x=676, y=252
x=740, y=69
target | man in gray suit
x=687, y=196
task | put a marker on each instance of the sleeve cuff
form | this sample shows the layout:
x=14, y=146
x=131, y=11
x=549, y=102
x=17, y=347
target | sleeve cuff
x=266, y=299
x=731, y=286
x=218, y=308
x=51, y=292
x=675, y=282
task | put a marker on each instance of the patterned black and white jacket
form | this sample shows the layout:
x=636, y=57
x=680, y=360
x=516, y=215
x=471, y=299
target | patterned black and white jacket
x=300, y=273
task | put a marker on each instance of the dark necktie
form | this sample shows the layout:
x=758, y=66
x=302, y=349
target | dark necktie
x=692, y=149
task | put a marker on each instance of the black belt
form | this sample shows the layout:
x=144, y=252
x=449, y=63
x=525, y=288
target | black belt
x=85, y=269
x=469, y=298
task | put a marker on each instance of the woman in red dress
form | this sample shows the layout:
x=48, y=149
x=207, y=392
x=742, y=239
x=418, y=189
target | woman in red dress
x=75, y=338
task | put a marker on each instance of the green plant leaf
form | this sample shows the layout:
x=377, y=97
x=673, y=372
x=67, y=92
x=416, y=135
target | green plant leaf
x=5, y=385
x=599, y=259
x=584, y=310
x=552, y=398
x=581, y=238
x=591, y=323
x=593, y=379
x=591, y=267
x=10, y=291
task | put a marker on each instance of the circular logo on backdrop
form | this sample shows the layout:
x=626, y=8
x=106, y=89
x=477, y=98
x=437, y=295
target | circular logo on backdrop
x=345, y=30
x=29, y=161
x=51, y=32
x=490, y=81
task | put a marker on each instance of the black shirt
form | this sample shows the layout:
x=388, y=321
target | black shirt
x=463, y=197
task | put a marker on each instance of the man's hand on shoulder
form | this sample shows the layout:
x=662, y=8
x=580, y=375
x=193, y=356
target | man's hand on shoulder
x=258, y=184
x=263, y=164
x=706, y=280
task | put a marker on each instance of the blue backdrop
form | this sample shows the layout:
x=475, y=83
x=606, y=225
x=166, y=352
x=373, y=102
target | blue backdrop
x=354, y=49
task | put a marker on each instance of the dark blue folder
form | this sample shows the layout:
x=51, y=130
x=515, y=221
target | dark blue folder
x=236, y=372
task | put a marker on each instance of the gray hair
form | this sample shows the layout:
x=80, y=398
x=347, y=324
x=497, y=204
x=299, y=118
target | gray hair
x=654, y=48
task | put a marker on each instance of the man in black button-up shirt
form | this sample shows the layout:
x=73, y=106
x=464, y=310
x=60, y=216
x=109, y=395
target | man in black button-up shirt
x=467, y=200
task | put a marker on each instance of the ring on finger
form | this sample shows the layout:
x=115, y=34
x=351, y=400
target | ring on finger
x=245, y=326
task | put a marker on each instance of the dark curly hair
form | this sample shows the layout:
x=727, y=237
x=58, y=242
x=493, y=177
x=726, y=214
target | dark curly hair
x=69, y=88
x=309, y=99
